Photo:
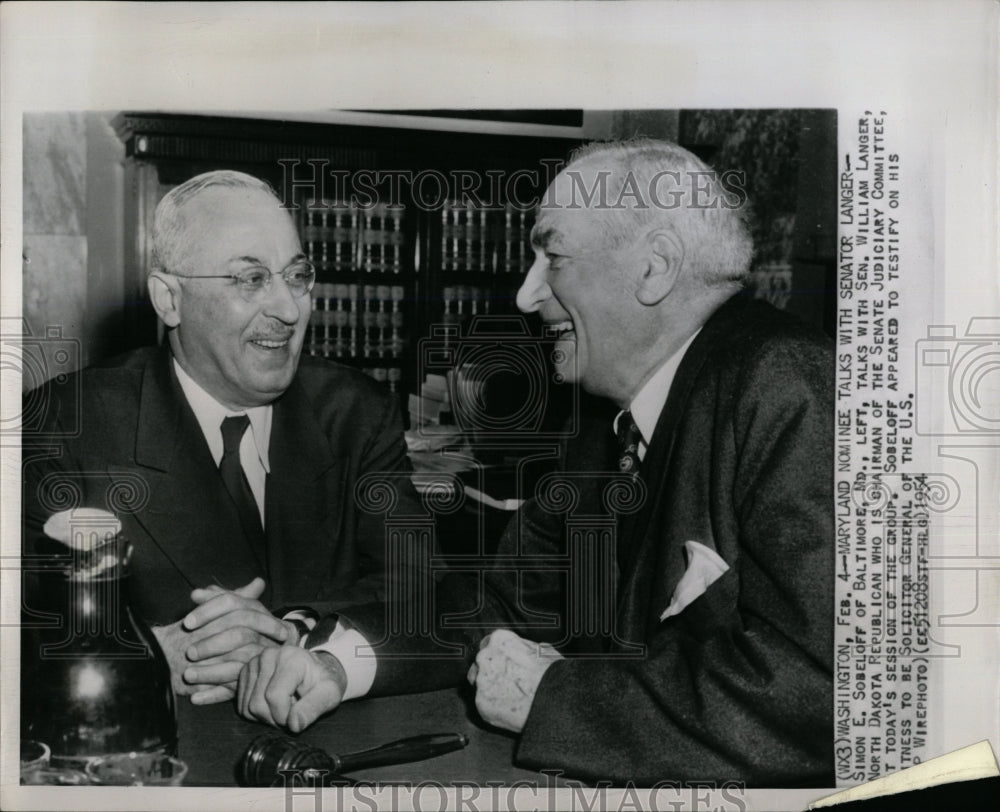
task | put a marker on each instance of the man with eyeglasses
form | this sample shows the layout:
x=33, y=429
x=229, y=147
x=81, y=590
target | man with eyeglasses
x=247, y=453
x=695, y=643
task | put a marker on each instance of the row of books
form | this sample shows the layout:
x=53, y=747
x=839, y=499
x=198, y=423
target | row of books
x=461, y=301
x=477, y=240
x=362, y=320
x=381, y=298
x=357, y=321
x=334, y=334
x=343, y=237
x=339, y=236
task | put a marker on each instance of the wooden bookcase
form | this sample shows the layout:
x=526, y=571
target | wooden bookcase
x=410, y=259
x=408, y=228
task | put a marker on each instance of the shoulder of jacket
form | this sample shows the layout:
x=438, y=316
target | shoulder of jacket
x=322, y=379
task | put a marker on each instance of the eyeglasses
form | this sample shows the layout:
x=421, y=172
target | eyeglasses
x=252, y=282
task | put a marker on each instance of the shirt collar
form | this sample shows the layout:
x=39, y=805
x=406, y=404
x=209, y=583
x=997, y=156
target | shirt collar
x=647, y=405
x=210, y=414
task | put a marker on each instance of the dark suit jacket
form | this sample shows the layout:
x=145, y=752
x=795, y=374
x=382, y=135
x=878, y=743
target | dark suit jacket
x=738, y=686
x=137, y=450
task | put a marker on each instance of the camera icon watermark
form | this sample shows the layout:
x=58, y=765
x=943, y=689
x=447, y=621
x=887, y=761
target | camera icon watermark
x=45, y=364
x=501, y=380
x=965, y=370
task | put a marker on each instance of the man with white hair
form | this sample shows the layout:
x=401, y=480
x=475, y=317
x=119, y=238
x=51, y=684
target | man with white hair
x=241, y=455
x=716, y=663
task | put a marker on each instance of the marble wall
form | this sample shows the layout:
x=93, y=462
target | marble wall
x=55, y=238
x=60, y=221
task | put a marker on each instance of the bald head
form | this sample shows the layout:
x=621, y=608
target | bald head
x=176, y=216
x=623, y=188
x=636, y=245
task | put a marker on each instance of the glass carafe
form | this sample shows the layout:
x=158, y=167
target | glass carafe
x=94, y=679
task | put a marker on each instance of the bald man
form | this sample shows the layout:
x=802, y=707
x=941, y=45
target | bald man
x=241, y=457
x=717, y=664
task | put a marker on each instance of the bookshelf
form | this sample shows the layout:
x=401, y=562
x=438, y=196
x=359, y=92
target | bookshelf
x=417, y=229
x=408, y=228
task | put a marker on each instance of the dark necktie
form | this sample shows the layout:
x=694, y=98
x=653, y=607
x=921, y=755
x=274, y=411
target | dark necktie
x=629, y=438
x=233, y=429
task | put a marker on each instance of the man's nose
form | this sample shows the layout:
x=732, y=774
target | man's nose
x=280, y=303
x=535, y=289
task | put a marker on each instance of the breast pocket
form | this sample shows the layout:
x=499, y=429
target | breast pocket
x=712, y=611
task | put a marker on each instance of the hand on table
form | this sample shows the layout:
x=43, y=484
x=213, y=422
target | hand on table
x=207, y=648
x=506, y=674
x=290, y=687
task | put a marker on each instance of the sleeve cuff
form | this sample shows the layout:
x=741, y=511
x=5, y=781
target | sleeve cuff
x=355, y=655
x=304, y=621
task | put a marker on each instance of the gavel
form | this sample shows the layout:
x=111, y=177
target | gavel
x=276, y=760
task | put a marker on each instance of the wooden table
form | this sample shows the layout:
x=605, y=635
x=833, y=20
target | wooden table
x=213, y=738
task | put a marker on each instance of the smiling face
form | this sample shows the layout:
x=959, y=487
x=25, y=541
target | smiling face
x=581, y=287
x=244, y=352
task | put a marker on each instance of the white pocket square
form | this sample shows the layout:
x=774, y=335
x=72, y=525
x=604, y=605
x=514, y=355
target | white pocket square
x=704, y=567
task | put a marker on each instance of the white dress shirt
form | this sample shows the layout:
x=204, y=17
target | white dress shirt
x=356, y=656
x=253, y=447
x=647, y=405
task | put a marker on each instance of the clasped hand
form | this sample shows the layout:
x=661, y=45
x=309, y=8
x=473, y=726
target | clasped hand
x=207, y=649
x=506, y=675
x=290, y=687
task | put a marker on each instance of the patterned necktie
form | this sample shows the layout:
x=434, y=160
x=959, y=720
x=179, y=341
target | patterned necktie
x=628, y=463
x=235, y=480
x=629, y=437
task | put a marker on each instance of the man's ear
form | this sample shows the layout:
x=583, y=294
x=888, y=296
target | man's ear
x=165, y=294
x=665, y=259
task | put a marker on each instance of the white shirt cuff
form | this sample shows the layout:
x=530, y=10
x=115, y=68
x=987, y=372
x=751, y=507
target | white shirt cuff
x=355, y=655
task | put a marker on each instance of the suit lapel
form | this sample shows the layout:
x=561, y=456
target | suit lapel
x=652, y=570
x=189, y=515
x=303, y=499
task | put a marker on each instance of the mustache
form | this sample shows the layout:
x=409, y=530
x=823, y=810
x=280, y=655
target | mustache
x=273, y=330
